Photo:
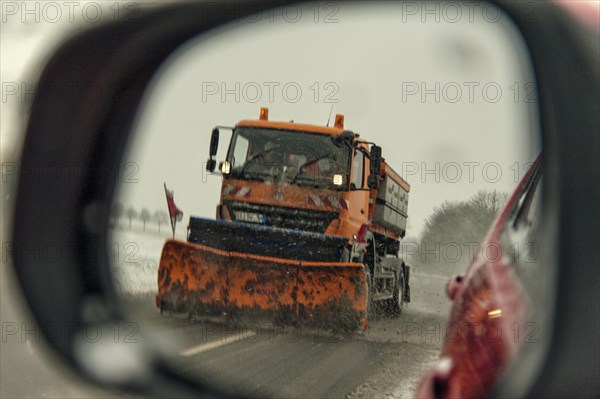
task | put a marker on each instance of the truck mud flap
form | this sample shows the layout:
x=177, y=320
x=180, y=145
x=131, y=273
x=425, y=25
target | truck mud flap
x=204, y=282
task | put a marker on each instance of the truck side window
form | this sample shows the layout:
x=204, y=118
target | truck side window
x=240, y=153
x=358, y=170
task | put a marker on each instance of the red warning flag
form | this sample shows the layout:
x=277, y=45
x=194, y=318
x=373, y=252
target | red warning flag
x=174, y=213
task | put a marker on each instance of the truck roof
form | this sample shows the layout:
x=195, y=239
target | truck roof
x=291, y=126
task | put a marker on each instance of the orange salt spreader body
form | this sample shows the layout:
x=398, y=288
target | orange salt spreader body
x=307, y=232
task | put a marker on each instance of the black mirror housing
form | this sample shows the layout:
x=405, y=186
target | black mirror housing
x=373, y=182
x=214, y=142
x=376, y=159
x=211, y=164
x=375, y=167
x=78, y=290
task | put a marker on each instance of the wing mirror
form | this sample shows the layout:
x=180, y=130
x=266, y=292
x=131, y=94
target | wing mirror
x=211, y=164
x=119, y=60
x=376, y=159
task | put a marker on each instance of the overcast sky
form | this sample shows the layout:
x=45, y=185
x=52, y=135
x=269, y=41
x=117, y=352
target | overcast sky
x=373, y=65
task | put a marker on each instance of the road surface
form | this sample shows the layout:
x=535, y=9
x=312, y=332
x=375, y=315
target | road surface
x=385, y=362
x=259, y=360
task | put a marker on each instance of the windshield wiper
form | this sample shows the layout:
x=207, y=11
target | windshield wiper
x=308, y=163
x=254, y=158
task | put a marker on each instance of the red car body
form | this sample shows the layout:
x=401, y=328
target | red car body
x=491, y=314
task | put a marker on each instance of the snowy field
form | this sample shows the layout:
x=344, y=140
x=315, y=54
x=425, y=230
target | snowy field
x=135, y=255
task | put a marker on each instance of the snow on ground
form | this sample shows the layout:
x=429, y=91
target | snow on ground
x=135, y=255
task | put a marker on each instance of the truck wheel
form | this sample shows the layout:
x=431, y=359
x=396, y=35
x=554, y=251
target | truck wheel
x=394, y=305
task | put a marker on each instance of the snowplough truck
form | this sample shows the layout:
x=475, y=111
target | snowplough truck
x=306, y=233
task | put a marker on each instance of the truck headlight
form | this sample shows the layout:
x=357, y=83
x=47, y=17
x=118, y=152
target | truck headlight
x=338, y=179
x=225, y=167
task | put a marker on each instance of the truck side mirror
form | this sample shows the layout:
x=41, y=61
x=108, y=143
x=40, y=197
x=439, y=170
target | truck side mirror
x=211, y=164
x=372, y=182
x=375, y=167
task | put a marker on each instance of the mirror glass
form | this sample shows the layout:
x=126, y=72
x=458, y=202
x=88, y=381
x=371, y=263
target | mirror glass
x=269, y=299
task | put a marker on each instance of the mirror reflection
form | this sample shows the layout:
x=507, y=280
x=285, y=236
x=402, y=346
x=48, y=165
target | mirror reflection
x=302, y=183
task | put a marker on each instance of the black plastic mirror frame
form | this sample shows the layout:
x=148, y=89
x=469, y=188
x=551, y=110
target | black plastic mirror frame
x=214, y=142
x=212, y=151
x=375, y=166
x=121, y=58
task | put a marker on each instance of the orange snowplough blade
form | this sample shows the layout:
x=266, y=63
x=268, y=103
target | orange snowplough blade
x=205, y=282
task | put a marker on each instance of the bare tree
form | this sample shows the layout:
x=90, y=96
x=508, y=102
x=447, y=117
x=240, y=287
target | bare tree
x=489, y=201
x=117, y=212
x=131, y=214
x=145, y=215
x=160, y=217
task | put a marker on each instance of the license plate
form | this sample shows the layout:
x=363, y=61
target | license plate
x=250, y=217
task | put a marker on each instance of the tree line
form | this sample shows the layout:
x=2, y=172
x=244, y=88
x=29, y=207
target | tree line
x=453, y=233
x=130, y=214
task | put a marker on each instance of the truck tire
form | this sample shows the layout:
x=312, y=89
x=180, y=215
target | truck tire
x=394, y=306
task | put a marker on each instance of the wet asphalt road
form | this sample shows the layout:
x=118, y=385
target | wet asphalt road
x=255, y=360
x=259, y=360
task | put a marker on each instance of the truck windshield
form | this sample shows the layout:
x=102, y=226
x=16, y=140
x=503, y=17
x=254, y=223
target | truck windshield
x=289, y=157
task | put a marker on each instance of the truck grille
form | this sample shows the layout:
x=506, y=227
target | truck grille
x=276, y=216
